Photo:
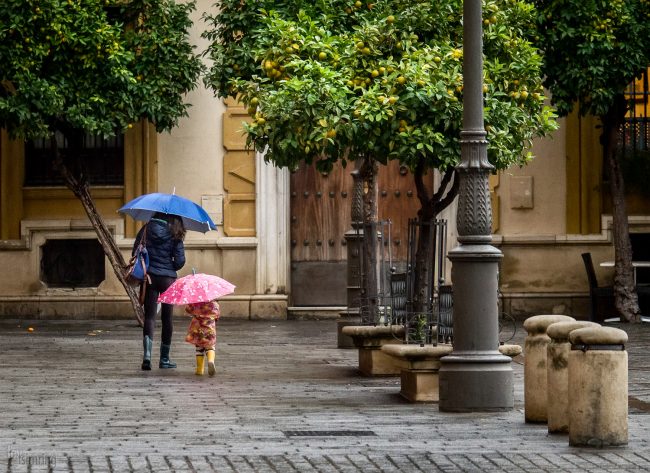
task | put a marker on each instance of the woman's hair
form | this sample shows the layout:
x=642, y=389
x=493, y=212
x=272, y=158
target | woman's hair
x=175, y=223
x=176, y=226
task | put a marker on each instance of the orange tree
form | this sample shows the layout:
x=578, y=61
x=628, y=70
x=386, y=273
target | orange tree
x=93, y=66
x=340, y=80
x=592, y=52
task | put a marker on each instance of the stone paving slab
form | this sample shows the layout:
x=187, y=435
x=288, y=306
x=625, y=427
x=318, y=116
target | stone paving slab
x=284, y=399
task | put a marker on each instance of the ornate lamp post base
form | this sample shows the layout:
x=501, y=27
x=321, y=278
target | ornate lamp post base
x=475, y=376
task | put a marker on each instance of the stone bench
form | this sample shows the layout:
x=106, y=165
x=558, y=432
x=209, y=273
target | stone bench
x=419, y=374
x=369, y=340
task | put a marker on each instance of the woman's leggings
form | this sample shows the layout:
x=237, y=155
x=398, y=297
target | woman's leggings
x=158, y=284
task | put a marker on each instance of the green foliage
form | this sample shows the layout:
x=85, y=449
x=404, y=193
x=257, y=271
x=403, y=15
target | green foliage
x=592, y=50
x=420, y=325
x=93, y=65
x=338, y=79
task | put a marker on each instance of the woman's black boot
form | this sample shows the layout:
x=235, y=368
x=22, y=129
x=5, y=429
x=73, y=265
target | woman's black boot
x=147, y=343
x=165, y=362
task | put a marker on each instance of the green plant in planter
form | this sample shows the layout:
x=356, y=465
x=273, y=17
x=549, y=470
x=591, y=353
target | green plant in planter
x=420, y=324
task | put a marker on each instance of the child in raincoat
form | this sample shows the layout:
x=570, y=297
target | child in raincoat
x=202, y=333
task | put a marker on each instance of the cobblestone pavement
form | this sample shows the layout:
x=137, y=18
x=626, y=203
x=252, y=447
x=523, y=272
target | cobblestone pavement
x=284, y=399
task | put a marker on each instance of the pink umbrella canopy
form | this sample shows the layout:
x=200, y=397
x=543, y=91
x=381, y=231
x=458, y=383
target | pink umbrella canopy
x=194, y=288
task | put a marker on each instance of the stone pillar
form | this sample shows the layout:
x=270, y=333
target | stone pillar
x=558, y=373
x=535, y=352
x=354, y=239
x=272, y=225
x=598, y=387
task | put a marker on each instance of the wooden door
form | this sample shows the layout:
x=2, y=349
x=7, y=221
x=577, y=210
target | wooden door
x=320, y=217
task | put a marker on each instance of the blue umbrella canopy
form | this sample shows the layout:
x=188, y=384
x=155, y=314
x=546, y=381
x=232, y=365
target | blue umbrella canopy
x=193, y=215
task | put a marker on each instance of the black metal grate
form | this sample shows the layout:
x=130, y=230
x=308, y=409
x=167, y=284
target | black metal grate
x=101, y=159
x=429, y=309
x=72, y=263
x=329, y=433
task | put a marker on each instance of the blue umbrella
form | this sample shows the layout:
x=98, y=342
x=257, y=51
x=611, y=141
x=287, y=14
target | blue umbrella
x=193, y=215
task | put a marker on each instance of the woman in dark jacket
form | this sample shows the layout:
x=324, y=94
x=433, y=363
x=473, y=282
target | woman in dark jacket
x=164, y=242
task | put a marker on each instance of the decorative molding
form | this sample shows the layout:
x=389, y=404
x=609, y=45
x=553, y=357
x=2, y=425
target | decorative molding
x=239, y=170
x=60, y=229
x=474, y=216
x=638, y=224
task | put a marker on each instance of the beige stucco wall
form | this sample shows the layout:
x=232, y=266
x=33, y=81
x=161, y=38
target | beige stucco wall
x=547, y=216
x=542, y=271
x=190, y=156
x=191, y=160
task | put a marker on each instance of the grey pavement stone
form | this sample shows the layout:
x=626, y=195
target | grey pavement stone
x=284, y=399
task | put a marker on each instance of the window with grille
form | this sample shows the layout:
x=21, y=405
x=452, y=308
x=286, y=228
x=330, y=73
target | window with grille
x=635, y=135
x=101, y=158
x=72, y=263
x=634, y=139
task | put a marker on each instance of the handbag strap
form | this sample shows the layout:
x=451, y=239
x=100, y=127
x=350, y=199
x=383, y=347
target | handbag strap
x=143, y=240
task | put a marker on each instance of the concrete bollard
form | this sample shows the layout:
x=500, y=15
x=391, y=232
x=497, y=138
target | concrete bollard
x=558, y=373
x=598, y=387
x=535, y=351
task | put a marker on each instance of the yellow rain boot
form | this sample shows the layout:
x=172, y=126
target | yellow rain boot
x=200, y=364
x=210, y=355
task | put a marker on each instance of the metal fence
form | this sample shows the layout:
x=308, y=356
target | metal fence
x=375, y=308
x=415, y=296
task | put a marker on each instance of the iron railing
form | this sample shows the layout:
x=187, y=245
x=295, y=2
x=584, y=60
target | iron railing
x=415, y=297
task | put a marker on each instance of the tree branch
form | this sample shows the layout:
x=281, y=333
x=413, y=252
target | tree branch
x=423, y=195
x=451, y=195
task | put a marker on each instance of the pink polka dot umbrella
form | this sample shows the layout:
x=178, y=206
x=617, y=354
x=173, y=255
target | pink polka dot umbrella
x=196, y=287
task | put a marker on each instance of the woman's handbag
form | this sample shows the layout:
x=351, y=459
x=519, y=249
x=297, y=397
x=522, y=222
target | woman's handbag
x=136, y=270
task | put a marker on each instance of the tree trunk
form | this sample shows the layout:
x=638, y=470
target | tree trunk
x=369, y=171
x=79, y=186
x=625, y=296
x=430, y=207
x=424, y=259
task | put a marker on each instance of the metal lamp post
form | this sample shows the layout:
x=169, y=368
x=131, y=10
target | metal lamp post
x=475, y=376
